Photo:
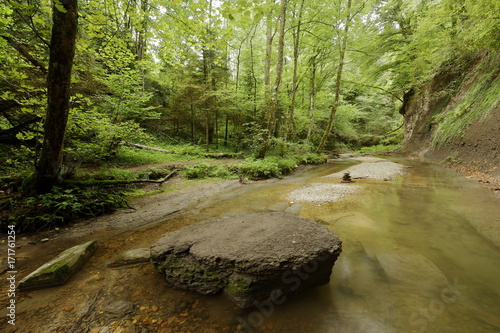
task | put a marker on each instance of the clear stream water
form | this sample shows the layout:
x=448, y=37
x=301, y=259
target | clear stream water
x=412, y=261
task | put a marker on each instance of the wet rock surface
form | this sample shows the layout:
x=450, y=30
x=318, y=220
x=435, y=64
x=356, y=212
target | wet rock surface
x=252, y=257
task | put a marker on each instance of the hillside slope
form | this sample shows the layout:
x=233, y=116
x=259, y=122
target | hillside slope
x=455, y=117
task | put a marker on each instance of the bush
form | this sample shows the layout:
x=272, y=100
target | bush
x=266, y=168
x=313, y=158
x=378, y=149
x=205, y=170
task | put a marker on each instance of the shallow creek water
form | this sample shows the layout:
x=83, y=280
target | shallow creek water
x=413, y=259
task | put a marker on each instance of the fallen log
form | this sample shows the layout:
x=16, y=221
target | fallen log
x=108, y=182
x=224, y=155
x=136, y=145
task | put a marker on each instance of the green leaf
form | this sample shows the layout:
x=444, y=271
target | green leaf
x=59, y=6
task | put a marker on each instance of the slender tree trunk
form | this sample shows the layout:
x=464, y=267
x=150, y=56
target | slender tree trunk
x=226, y=130
x=296, y=42
x=254, y=78
x=272, y=110
x=207, y=130
x=267, y=61
x=193, y=137
x=312, y=97
x=336, y=100
x=62, y=52
x=216, y=128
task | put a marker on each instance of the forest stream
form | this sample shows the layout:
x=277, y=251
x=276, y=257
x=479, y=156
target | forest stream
x=421, y=253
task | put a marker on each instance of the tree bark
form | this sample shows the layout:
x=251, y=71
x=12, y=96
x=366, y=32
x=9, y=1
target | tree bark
x=62, y=51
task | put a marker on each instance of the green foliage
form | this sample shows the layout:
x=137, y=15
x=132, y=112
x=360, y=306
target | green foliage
x=205, y=170
x=313, y=158
x=266, y=168
x=378, y=149
x=133, y=156
x=58, y=207
x=16, y=159
x=114, y=174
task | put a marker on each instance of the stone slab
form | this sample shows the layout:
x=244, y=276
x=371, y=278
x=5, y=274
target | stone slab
x=58, y=270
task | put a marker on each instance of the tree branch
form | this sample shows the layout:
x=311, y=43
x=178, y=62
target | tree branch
x=24, y=52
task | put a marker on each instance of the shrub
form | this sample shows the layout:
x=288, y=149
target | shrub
x=205, y=170
x=266, y=168
x=313, y=158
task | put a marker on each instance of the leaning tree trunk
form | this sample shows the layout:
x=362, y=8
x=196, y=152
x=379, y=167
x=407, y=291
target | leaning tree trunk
x=62, y=51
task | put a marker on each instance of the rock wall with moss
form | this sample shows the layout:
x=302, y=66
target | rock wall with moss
x=455, y=117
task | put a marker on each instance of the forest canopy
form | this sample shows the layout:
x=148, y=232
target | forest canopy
x=239, y=75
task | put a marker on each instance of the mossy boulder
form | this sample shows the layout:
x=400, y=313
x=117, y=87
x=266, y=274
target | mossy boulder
x=250, y=258
x=58, y=270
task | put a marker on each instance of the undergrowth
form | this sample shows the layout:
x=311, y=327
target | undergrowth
x=57, y=208
x=378, y=149
x=252, y=168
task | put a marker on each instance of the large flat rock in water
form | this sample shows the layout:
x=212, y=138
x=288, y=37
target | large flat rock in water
x=58, y=270
x=251, y=258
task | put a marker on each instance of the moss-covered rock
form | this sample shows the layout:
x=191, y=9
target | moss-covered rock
x=60, y=269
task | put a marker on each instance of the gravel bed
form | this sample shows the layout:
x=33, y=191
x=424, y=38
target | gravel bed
x=321, y=192
x=372, y=168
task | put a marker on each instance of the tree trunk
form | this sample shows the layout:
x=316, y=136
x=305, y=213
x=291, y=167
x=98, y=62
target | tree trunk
x=312, y=96
x=296, y=42
x=336, y=100
x=267, y=61
x=272, y=109
x=62, y=51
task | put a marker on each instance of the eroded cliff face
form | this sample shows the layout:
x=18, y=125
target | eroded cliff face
x=455, y=117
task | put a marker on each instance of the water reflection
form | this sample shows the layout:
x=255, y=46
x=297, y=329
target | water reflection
x=413, y=259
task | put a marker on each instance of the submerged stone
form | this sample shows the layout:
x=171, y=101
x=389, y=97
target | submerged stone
x=251, y=258
x=131, y=257
x=58, y=270
x=413, y=269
